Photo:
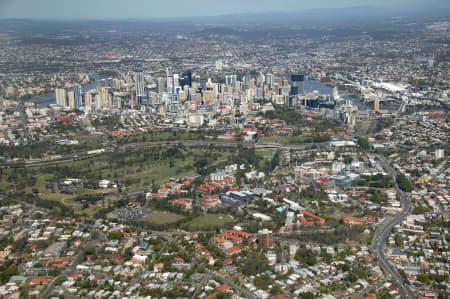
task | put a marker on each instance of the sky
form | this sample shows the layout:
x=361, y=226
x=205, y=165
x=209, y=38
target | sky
x=150, y=9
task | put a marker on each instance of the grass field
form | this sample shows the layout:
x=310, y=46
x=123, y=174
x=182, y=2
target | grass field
x=209, y=221
x=131, y=169
x=162, y=218
x=266, y=155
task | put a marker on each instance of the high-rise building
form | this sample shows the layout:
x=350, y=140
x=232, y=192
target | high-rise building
x=247, y=79
x=161, y=85
x=61, y=97
x=269, y=80
x=230, y=80
x=169, y=82
x=265, y=238
x=376, y=104
x=335, y=94
x=104, y=95
x=297, y=84
x=71, y=99
x=78, y=100
x=186, y=79
x=440, y=153
x=140, y=92
x=259, y=92
x=176, y=81
x=219, y=65
x=88, y=100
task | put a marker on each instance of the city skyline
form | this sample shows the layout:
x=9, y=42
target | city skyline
x=139, y=9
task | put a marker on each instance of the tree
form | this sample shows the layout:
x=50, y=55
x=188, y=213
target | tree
x=308, y=295
x=115, y=236
x=364, y=143
x=404, y=183
x=255, y=263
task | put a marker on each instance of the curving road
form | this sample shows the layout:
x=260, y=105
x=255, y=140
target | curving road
x=203, y=143
x=382, y=234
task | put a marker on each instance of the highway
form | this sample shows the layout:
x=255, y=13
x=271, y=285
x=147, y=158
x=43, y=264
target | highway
x=202, y=143
x=382, y=234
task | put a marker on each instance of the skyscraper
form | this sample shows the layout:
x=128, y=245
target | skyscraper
x=176, y=81
x=186, y=79
x=71, y=99
x=219, y=65
x=376, y=104
x=88, y=100
x=247, y=79
x=297, y=84
x=61, y=97
x=140, y=92
x=230, y=80
x=169, y=82
x=78, y=101
x=270, y=79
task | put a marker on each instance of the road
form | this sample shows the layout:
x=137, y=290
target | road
x=382, y=234
x=384, y=231
x=70, y=269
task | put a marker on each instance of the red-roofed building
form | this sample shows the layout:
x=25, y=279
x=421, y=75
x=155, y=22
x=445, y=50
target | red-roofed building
x=307, y=218
x=184, y=203
x=222, y=288
x=233, y=250
x=39, y=280
x=366, y=220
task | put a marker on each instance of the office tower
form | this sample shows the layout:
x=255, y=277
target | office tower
x=176, y=81
x=259, y=92
x=376, y=104
x=230, y=80
x=186, y=79
x=71, y=99
x=169, y=81
x=104, y=96
x=161, y=85
x=219, y=65
x=247, y=79
x=88, y=100
x=98, y=102
x=61, y=97
x=103, y=82
x=78, y=100
x=140, y=92
x=265, y=238
x=297, y=84
x=335, y=94
x=269, y=80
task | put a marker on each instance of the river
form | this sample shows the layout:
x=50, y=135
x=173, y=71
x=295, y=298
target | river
x=49, y=99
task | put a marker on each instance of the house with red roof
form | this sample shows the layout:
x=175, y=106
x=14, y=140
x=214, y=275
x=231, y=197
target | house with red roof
x=307, y=218
x=233, y=250
x=40, y=280
x=183, y=203
x=358, y=221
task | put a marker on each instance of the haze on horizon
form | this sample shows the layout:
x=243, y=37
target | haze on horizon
x=150, y=9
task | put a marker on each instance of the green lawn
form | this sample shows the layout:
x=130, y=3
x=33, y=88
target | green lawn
x=266, y=155
x=209, y=221
x=162, y=218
